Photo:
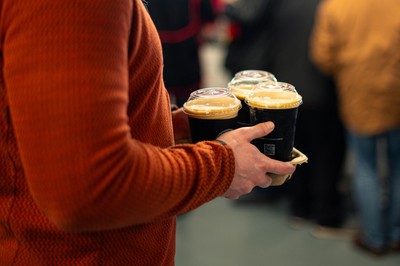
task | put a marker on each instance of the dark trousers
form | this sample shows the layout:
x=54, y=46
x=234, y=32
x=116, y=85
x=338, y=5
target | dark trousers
x=314, y=188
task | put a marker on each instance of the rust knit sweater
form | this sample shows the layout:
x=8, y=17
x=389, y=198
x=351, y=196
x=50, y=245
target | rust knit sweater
x=88, y=173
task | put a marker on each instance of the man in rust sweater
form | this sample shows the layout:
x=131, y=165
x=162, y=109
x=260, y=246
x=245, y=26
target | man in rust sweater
x=88, y=171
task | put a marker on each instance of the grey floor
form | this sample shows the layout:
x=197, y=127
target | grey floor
x=223, y=232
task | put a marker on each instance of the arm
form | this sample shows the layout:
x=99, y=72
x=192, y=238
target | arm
x=66, y=76
x=180, y=123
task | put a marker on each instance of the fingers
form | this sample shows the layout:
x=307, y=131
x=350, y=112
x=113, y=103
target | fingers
x=258, y=131
x=247, y=133
x=267, y=180
x=263, y=182
x=280, y=168
x=252, y=166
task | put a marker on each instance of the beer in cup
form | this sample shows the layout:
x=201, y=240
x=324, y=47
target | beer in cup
x=211, y=111
x=278, y=103
x=242, y=84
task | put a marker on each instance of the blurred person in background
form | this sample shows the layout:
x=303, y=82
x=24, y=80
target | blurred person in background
x=182, y=26
x=358, y=43
x=314, y=191
x=90, y=174
x=274, y=36
x=248, y=35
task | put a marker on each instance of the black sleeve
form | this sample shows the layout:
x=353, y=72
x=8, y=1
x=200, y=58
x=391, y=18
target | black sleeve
x=208, y=12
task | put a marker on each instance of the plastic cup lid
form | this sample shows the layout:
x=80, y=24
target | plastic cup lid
x=212, y=103
x=279, y=95
x=244, y=81
x=255, y=74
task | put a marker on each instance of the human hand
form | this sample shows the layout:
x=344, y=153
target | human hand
x=180, y=122
x=251, y=166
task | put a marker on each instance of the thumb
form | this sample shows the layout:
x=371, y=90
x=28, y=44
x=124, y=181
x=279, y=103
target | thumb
x=260, y=130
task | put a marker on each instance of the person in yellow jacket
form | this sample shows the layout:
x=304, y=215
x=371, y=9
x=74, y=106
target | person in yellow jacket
x=358, y=43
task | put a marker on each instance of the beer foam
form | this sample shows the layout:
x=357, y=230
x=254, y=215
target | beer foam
x=270, y=99
x=212, y=108
x=241, y=90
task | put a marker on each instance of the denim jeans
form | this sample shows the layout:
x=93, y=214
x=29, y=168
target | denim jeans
x=377, y=197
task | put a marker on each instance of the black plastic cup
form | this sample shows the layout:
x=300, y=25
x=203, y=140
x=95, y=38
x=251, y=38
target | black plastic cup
x=277, y=103
x=244, y=115
x=209, y=129
x=211, y=112
x=279, y=143
x=242, y=84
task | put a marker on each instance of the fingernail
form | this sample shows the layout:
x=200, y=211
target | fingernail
x=270, y=125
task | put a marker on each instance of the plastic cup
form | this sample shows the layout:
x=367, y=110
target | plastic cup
x=242, y=84
x=211, y=111
x=278, y=103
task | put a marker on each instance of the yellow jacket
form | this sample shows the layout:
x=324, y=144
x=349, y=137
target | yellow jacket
x=358, y=42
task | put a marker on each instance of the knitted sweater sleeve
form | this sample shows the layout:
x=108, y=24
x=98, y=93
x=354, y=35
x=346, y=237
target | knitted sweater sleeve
x=67, y=79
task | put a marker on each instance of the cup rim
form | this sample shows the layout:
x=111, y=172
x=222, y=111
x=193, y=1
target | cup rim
x=290, y=100
x=208, y=97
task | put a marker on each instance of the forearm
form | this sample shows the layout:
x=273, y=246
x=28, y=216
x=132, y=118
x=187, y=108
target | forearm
x=68, y=88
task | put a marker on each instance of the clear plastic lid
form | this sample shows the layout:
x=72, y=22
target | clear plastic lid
x=244, y=81
x=212, y=103
x=279, y=95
